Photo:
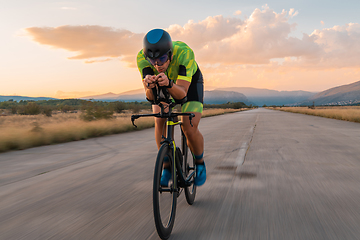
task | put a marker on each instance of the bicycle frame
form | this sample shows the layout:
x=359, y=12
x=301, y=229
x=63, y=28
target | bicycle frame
x=170, y=141
x=170, y=123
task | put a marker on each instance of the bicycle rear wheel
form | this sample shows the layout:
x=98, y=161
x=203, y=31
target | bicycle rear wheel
x=188, y=168
x=164, y=198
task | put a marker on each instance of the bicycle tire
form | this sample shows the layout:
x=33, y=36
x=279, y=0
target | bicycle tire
x=188, y=164
x=164, y=218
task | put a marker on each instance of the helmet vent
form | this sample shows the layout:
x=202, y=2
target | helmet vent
x=154, y=36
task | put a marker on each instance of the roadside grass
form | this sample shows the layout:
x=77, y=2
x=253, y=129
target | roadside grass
x=346, y=113
x=215, y=111
x=21, y=132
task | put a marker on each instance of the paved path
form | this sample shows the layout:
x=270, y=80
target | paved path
x=300, y=180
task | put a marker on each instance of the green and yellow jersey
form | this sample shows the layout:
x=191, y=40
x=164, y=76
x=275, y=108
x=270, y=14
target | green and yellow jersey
x=184, y=67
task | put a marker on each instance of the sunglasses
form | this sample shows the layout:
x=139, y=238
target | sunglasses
x=159, y=61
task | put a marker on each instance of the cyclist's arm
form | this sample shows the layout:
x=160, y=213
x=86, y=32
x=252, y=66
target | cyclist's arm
x=149, y=80
x=149, y=83
x=180, y=89
x=187, y=68
x=147, y=74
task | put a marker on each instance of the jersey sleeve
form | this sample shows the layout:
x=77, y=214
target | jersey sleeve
x=187, y=64
x=143, y=65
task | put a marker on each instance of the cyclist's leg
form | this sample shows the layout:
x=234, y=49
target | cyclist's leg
x=195, y=142
x=195, y=139
x=194, y=104
x=195, y=97
x=159, y=126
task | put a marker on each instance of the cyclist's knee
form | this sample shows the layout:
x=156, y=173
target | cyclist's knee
x=195, y=121
x=159, y=121
x=190, y=132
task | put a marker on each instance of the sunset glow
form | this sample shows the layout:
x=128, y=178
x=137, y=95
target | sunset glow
x=259, y=45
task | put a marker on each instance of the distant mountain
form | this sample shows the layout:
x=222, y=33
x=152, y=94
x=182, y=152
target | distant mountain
x=218, y=97
x=129, y=96
x=19, y=98
x=108, y=95
x=131, y=92
x=133, y=95
x=247, y=95
x=342, y=95
x=210, y=97
x=271, y=97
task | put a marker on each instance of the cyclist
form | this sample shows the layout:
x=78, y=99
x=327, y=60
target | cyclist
x=172, y=65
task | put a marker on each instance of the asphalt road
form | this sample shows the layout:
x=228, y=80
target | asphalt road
x=271, y=175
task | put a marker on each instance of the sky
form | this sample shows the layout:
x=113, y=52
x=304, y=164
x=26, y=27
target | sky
x=69, y=49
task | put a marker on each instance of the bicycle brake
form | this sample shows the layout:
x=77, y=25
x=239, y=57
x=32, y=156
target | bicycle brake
x=133, y=120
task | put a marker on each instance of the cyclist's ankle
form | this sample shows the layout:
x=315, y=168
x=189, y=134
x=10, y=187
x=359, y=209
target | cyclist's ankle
x=166, y=162
x=199, y=159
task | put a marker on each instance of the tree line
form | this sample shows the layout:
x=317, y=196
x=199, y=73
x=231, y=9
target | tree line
x=91, y=110
x=234, y=105
x=30, y=107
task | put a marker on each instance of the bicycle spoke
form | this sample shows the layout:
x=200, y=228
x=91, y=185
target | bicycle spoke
x=164, y=198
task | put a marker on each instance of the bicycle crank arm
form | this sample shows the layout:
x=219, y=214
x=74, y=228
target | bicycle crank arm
x=187, y=181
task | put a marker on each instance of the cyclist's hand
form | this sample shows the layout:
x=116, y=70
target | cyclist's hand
x=162, y=79
x=150, y=81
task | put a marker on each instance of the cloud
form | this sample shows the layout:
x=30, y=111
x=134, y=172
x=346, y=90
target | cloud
x=322, y=23
x=68, y=8
x=88, y=41
x=258, y=39
x=293, y=13
x=212, y=29
x=265, y=39
x=99, y=60
x=340, y=44
x=238, y=12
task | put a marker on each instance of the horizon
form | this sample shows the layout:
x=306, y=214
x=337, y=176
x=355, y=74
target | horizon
x=212, y=89
x=85, y=48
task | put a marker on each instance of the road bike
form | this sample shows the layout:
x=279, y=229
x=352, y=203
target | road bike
x=182, y=165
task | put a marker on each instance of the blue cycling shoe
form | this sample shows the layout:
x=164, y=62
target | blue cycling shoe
x=200, y=177
x=165, y=177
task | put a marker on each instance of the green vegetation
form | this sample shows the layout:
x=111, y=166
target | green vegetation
x=92, y=110
x=233, y=105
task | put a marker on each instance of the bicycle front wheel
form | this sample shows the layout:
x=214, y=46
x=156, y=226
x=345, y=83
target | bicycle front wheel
x=164, y=198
